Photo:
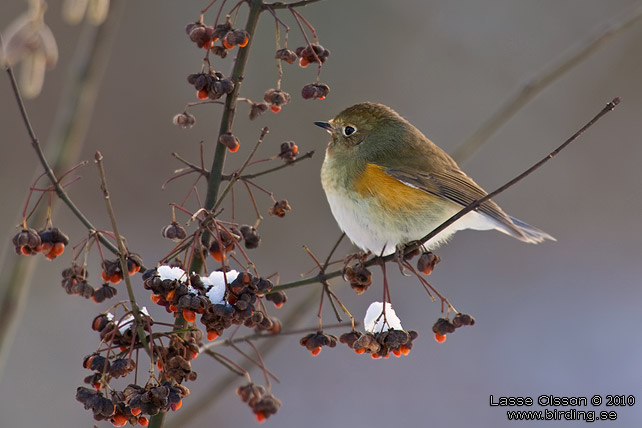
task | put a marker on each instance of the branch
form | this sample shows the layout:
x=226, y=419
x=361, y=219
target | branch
x=283, y=5
x=537, y=85
x=475, y=204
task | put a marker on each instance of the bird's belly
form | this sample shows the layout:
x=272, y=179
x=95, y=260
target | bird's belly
x=377, y=228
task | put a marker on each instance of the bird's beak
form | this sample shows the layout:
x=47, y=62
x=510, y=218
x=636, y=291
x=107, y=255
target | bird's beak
x=325, y=125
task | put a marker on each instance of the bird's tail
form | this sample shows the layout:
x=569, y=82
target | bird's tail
x=527, y=233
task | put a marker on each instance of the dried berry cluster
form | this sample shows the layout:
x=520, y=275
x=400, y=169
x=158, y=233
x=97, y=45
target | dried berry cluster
x=262, y=402
x=233, y=301
x=212, y=85
x=358, y=276
x=174, y=231
x=427, y=261
x=315, y=341
x=135, y=403
x=379, y=345
x=289, y=151
x=51, y=242
x=184, y=119
x=241, y=307
x=315, y=91
x=311, y=53
x=205, y=35
x=276, y=98
x=174, y=360
x=444, y=326
x=280, y=208
x=131, y=404
x=113, y=271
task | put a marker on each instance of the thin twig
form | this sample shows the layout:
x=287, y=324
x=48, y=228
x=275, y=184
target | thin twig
x=122, y=252
x=539, y=83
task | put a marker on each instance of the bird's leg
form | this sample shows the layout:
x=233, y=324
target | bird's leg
x=399, y=258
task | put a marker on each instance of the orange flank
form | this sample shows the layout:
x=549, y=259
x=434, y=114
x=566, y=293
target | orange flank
x=389, y=191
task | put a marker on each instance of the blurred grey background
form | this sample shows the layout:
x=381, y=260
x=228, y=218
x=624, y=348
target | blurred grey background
x=560, y=318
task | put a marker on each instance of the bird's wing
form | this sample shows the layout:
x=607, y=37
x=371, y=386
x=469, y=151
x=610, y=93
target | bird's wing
x=453, y=186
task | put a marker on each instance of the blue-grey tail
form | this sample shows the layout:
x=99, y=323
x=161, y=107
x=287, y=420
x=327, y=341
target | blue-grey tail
x=528, y=233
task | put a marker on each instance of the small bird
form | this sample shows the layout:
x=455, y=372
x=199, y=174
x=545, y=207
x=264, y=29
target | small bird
x=388, y=185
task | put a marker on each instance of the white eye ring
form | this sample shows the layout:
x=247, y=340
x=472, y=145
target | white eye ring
x=349, y=130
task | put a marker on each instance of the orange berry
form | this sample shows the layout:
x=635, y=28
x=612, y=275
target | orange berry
x=189, y=315
x=143, y=421
x=173, y=308
x=155, y=298
x=208, y=45
x=303, y=62
x=211, y=334
x=316, y=351
x=227, y=45
x=26, y=251
x=135, y=411
x=404, y=350
x=218, y=256
x=234, y=150
x=202, y=94
x=375, y=356
x=134, y=269
x=123, y=348
x=104, y=276
x=245, y=42
x=322, y=97
x=275, y=109
x=440, y=338
x=396, y=352
x=360, y=351
x=278, y=306
x=170, y=295
x=177, y=406
x=57, y=249
x=45, y=247
x=260, y=416
x=118, y=420
x=115, y=278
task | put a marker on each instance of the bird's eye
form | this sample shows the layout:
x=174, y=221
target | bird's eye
x=349, y=130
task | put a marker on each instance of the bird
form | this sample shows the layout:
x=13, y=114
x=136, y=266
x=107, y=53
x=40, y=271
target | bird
x=388, y=185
